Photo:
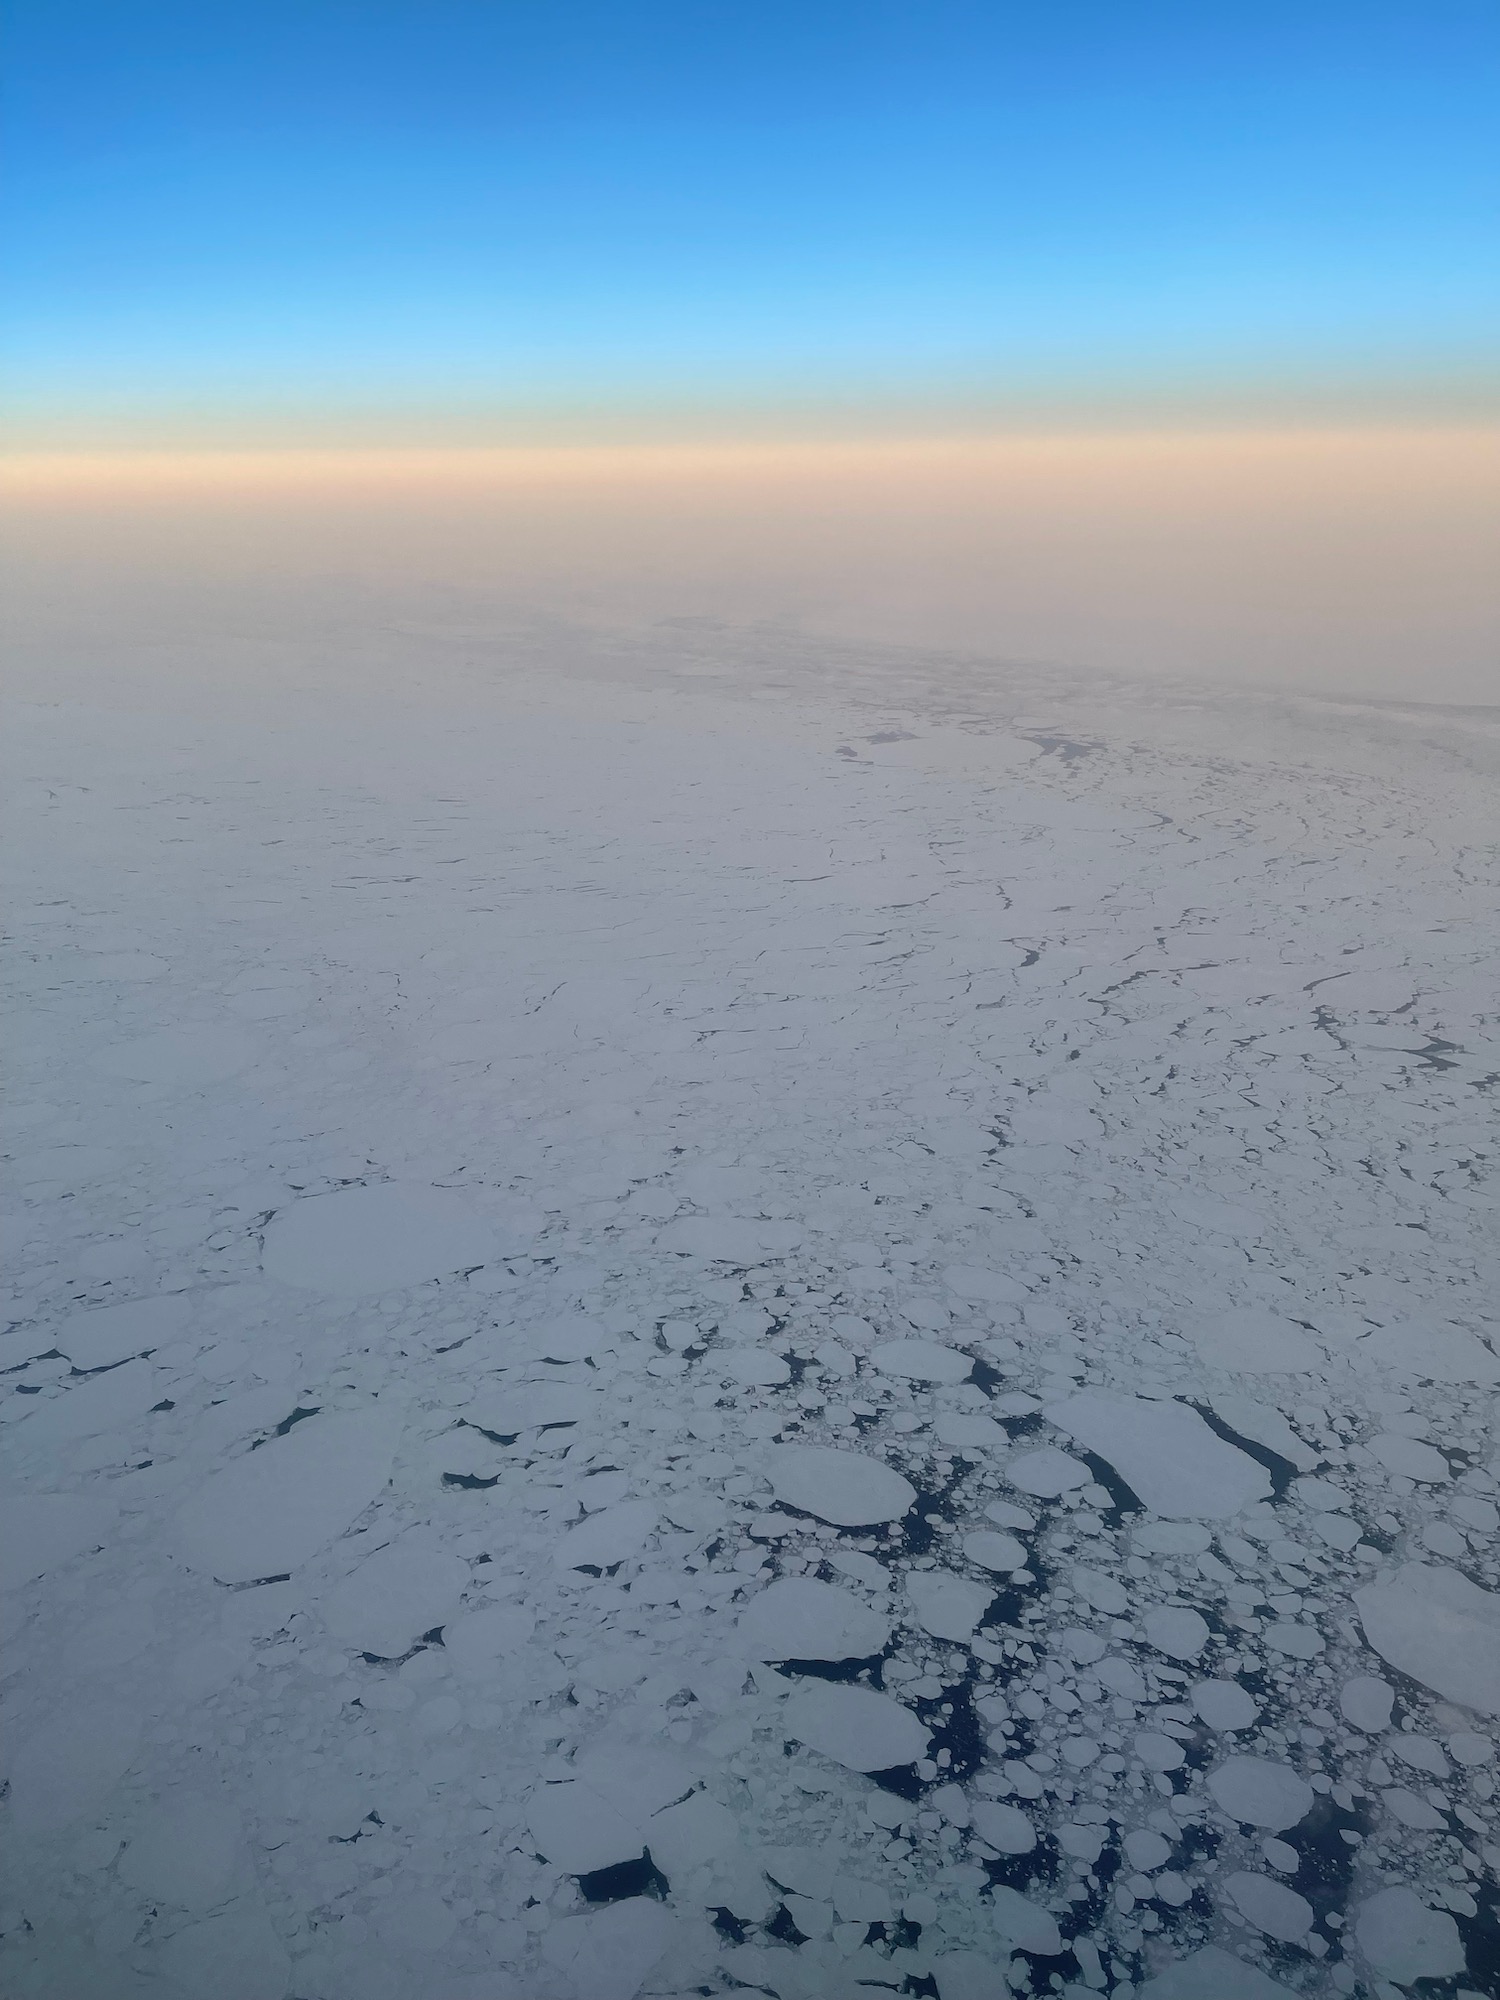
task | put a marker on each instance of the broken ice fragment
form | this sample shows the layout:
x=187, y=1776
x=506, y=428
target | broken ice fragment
x=106, y=1334
x=1001, y=1553
x=40, y=1531
x=1225, y=1705
x=1440, y=1628
x=1046, y=1472
x=1165, y=1453
x=1269, y=1905
x=1212, y=1974
x=578, y=1830
x=1411, y=1459
x=1259, y=1792
x=856, y=1726
x=1023, y=1924
x=1254, y=1340
x=922, y=1361
x=949, y=1607
x=98, y=1403
x=1176, y=1631
x=797, y=1618
x=184, y=1851
x=1005, y=1828
x=974, y=1281
x=844, y=1487
x=1406, y=1941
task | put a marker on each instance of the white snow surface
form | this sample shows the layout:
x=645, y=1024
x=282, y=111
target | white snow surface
x=816, y=1263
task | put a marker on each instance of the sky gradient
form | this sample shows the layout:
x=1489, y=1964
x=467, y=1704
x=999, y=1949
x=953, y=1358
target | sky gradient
x=329, y=223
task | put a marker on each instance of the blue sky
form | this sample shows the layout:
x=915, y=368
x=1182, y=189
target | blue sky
x=400, y=211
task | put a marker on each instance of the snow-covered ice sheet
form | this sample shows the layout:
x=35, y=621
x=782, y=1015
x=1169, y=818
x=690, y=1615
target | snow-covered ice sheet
x=695, y=1314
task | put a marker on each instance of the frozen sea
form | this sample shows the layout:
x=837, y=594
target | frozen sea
x=694, y=1313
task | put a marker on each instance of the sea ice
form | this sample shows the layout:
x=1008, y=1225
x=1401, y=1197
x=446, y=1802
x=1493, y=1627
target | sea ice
x=845, y=1487
x=1257, y=1791
x=1165, y=1453
x=797, y=1618
x=1440, y=1628
x=856, y=1726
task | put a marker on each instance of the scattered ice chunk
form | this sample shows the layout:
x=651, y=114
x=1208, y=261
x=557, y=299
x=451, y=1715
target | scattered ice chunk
x=807, y=1870
x=1440, y=1628
x=1257, y=1791
x=381, y=1238
x=1023, y=1924
x=1005, y=1515
x=1470, y=1750
x=1269, y=1905
x=1005, y=1828
x=847, y=1488
x=1165, y=1453
x=1212, y=1974
x=1121, y=1677
x=267, y=1512
x=856, y=1726
x=578, y=1830
x=1254, y=1340
x=1176, y=1631
x=106, y=1334
x=728, y=1239
x=1265, y=1426
x=608, y=1537
x=1225, y=1705
x=1431, y=1350
x=995, y=1551
x=966, y=1430
x=1159, y=1752
x=949, y=1607
x=798, y=1618
x=395, y=1596
x=1404, y=1940
x=1296, y=1640
x=507, y=1411
x=1047, y=1472
x=1410, y=1458
x=41, y=1531
x=970, y=1975
x=922, y=1361
x=1171, y=1538
x=184, y=1851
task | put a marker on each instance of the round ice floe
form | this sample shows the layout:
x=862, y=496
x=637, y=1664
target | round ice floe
x=1159, y=1752
x=1047, y=1472
x=968, y=1430
x=1440, y=1628
x=1022, y=1924
x=1404, y=1940
x=1411, y=1459
x=844, y=1487
x=751, y=1367
x=1257, y=1791
x=608, y=1537
x=1103, y=1593
x=1179, y=1633
x=1253, y=1340
x=949, y=1607
x=394, y=1596
x=1405, y=1806
x=106, y=1334
x=188, y=1057
x=1001, y=1553
x=1225, y=1705
x=797, y=1618
x=922, y=1361
x=856, y=1726
x=1005, y=1828
x=1367, y=1703
x=1269, y=1905
x=381, y=1238
x=184, y=1851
